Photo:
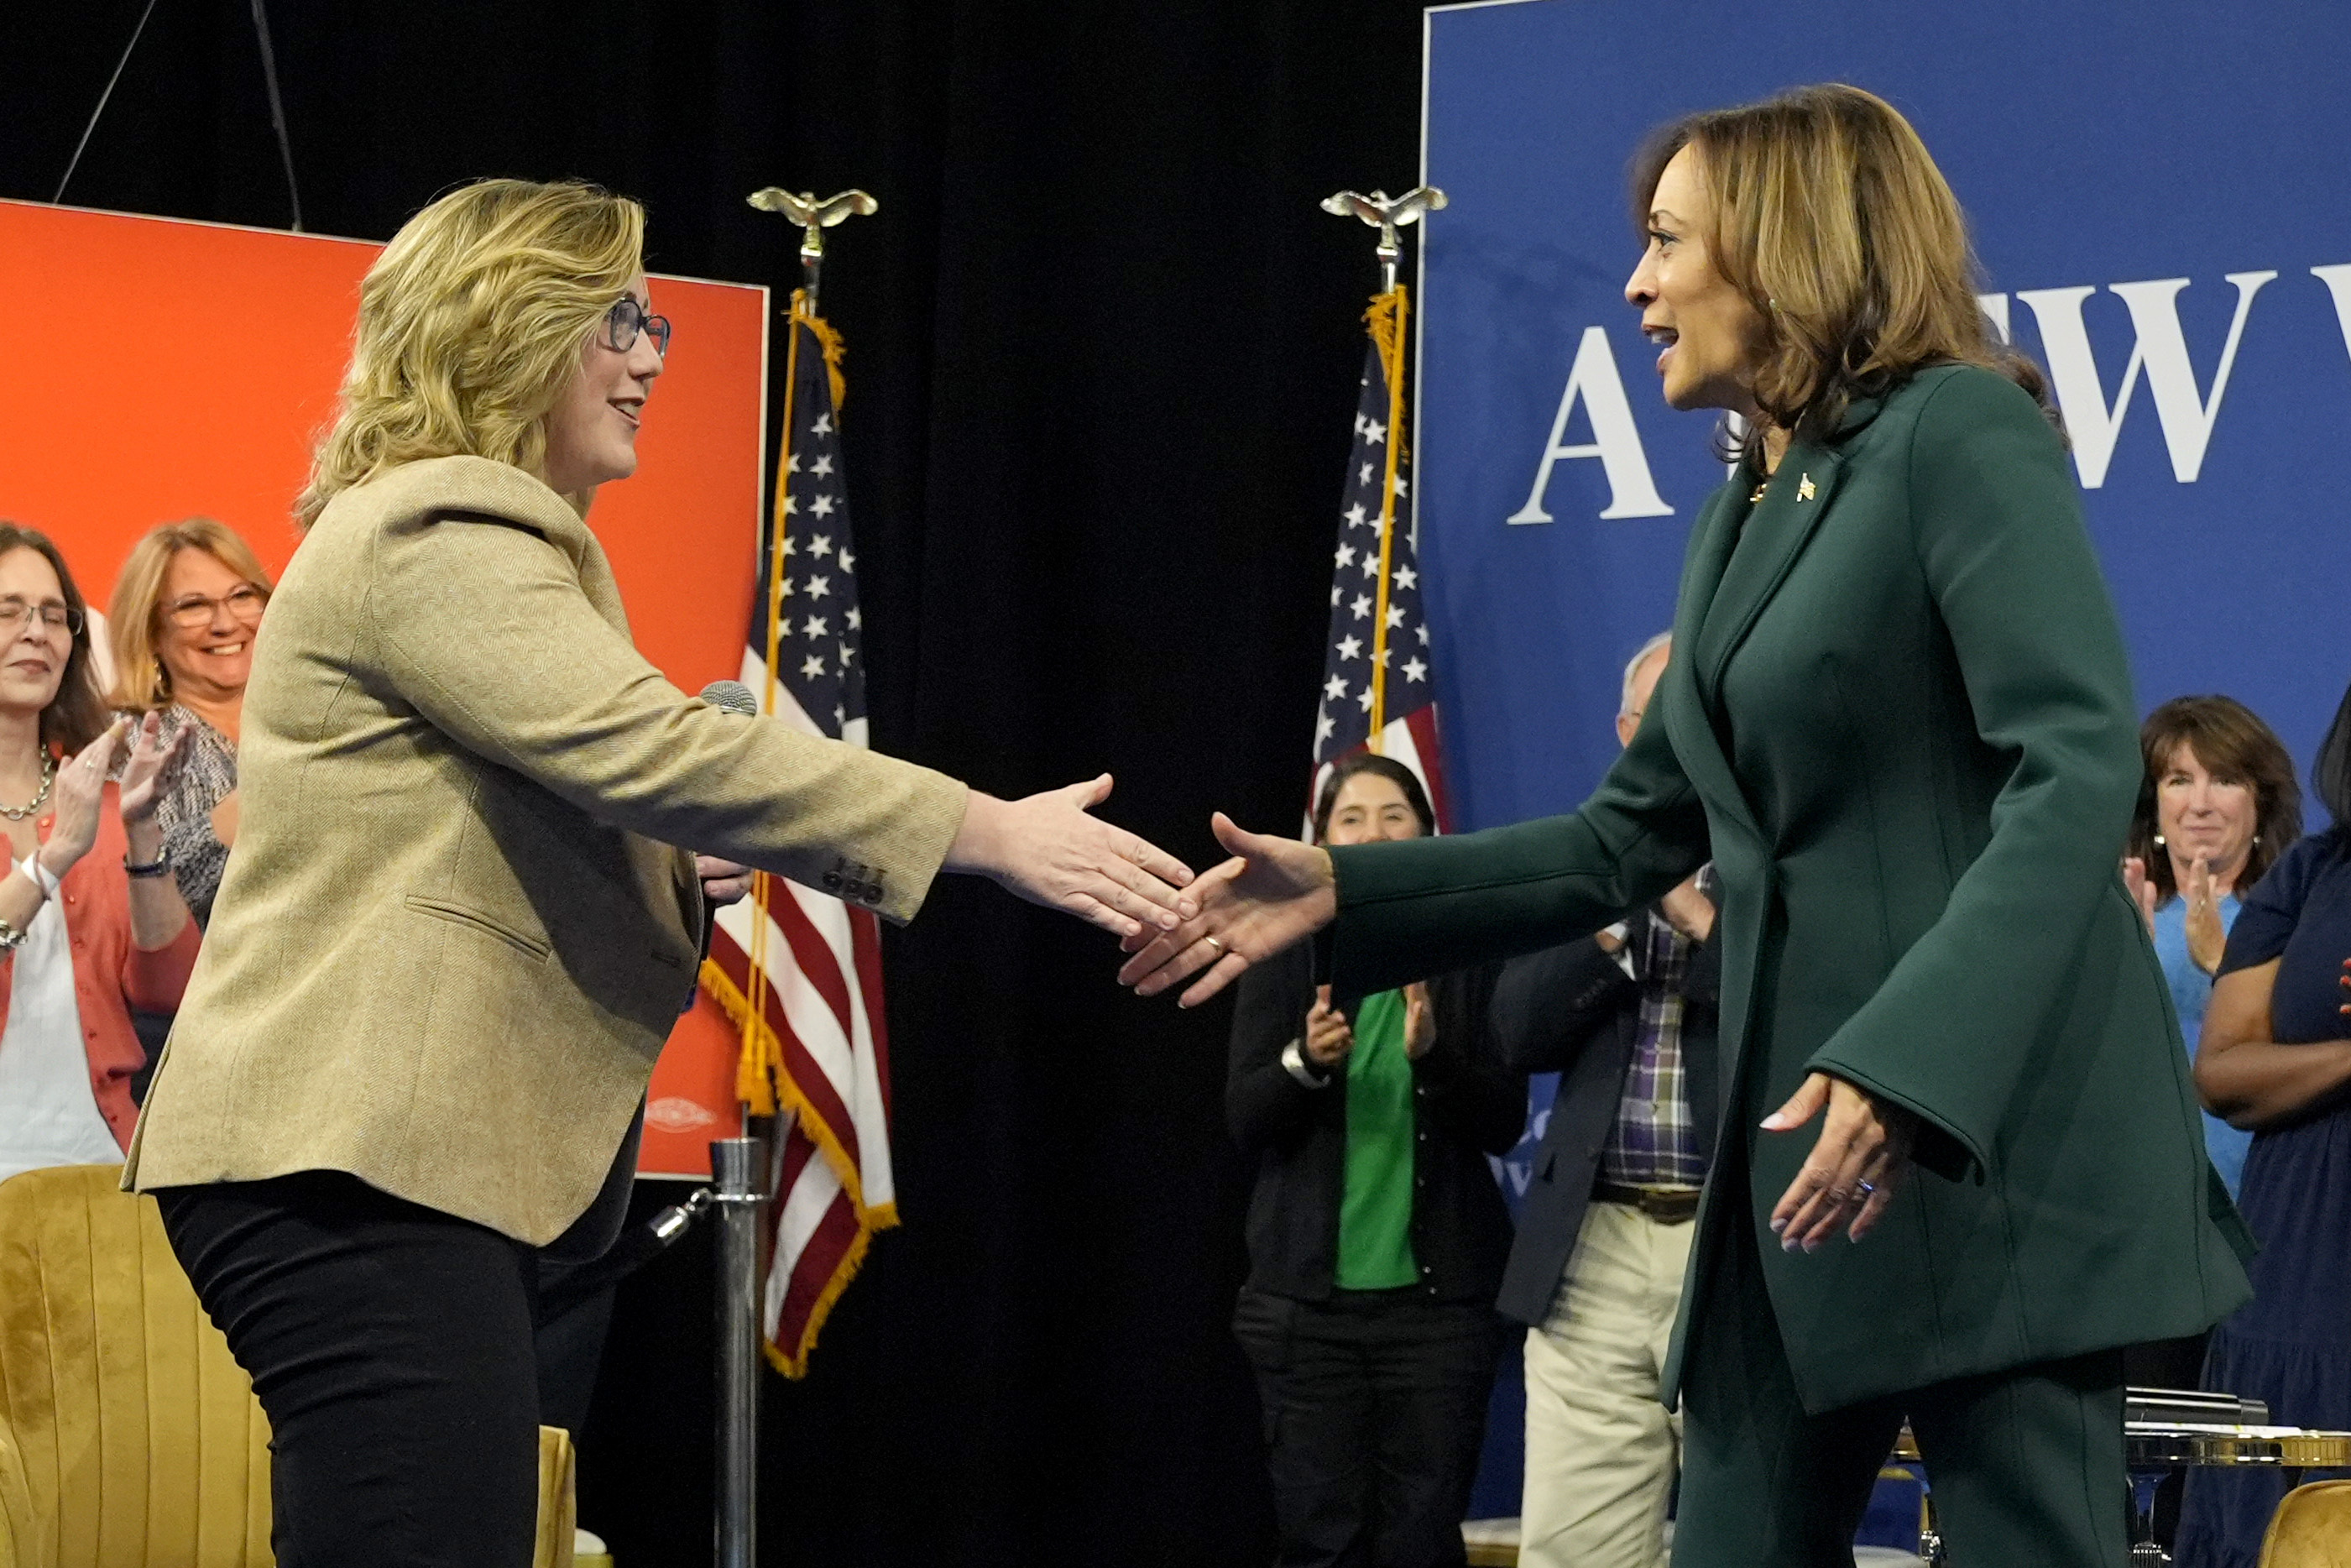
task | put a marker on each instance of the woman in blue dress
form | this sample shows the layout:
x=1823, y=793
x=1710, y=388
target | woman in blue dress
x=2274, y=1059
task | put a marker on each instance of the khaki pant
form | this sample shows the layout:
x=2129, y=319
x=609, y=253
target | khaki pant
x=1601, y=1451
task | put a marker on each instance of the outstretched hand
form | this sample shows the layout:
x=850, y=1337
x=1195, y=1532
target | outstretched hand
x=1862, y=1157
x=1272, y=893
x=1047, y=849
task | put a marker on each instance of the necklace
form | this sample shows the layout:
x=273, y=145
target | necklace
x=1758, y=495
x=48, y=774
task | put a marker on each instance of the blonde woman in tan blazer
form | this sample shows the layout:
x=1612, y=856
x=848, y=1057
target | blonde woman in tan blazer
x=455, y=934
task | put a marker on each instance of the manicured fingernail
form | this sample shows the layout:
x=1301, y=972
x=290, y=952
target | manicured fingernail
x=1812, y=1246
x=1789, y=1245
x=1778, y=1226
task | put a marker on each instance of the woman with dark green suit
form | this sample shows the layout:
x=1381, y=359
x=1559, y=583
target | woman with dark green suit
x=1906, y=735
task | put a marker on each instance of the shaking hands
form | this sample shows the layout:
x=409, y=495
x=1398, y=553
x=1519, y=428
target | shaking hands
x=1272, y=893
x=1048, y=849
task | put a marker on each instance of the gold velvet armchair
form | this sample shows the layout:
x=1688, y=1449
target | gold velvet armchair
x=2312, y=1528
x=129, y=1437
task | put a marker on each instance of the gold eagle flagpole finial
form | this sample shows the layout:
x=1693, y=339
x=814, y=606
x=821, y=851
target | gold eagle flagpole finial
x=814, y=217
x=1388, y=215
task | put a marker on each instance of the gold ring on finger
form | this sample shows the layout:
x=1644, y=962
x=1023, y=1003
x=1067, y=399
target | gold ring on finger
x=1212, y=942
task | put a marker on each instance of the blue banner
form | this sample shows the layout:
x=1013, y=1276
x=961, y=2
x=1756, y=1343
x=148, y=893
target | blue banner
x=2159, y=198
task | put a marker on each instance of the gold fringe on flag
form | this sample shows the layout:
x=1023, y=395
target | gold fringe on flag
x=760, y=1067
x=763, y=1085
x=1387, y=316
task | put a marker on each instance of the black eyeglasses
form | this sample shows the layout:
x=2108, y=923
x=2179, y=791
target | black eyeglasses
x=626, y=318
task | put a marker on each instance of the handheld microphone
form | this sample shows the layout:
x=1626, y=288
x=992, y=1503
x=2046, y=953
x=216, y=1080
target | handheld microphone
x=732, y=695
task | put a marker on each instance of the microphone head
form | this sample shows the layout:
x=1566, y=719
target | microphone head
x=732, y=695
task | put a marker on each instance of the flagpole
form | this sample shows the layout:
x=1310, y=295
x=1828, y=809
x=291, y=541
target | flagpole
x=740, y=1196
x=1388, y=312
x=740, y=1178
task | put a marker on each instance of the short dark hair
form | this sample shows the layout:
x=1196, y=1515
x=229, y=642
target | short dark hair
x=2232, y=743
x=2330, y=776
x=1387, y=768
x=77, y=714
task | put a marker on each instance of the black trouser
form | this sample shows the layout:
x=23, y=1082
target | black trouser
x=390, y=1345
x=1375, y=1409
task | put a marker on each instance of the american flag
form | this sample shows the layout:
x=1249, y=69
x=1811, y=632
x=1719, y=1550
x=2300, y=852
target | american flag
x=798, y=970
x=1378, y=664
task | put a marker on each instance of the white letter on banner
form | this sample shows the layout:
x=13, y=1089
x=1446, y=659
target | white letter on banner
x=2337, y=279
x=1615, y=441
x=1995, y=306
x=2160, y=348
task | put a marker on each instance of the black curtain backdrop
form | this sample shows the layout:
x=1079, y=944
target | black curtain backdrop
x=1102, y=350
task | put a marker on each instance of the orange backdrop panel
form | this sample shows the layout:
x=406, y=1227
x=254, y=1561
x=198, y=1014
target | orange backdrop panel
x=187, y=369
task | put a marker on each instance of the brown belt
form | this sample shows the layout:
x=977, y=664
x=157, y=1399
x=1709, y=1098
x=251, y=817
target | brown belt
x=1665, y=1205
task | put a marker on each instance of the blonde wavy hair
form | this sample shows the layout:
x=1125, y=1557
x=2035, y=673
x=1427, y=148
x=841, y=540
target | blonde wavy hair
x=134, y=616
x=471, y=324
x=1832, y=218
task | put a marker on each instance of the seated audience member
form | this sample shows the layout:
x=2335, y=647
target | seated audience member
x=89, y=927
x=2218, y=805
x=186, y=608
x=1376, y=1233
x=1628, y=1018
x=2274, y=1059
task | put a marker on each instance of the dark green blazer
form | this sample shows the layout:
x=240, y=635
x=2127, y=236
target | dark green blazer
x=1899, y=718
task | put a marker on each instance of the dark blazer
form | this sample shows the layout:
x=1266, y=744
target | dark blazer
x=1466, y=1106
x=1574, y=1010
x=1899, y=719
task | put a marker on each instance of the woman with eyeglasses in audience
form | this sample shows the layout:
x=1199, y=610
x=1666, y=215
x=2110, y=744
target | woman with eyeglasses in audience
x=186, y=608
x=89, y=927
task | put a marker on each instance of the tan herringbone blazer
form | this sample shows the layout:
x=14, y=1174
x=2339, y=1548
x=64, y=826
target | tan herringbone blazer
x=453, y=935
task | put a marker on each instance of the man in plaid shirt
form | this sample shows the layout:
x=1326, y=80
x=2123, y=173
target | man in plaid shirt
x=1628, y=1018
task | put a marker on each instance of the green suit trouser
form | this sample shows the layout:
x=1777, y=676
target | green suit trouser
x=2026, y=1466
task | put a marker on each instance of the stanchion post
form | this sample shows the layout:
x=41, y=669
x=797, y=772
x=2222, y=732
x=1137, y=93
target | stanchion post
x=736, y=1173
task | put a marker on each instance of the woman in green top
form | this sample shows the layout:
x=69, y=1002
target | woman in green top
x=1376, y=1234
x=1904, y=730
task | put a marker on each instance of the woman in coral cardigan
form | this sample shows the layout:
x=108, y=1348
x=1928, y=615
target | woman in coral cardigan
x=90, y=925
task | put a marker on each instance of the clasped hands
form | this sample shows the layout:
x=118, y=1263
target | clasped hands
x=1274, y=891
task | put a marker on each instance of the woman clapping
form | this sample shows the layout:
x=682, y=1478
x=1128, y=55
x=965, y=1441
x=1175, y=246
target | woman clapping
x=89, y=925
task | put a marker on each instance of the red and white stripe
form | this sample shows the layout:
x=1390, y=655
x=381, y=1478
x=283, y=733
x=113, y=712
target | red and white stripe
x=823, y=1004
